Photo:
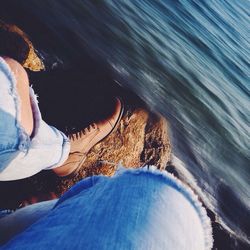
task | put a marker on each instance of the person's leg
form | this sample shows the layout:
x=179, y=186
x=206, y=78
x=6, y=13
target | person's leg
x=29, y=145
x=135, y=209
x=22, y=84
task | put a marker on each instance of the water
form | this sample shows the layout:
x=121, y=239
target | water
x=188, y=60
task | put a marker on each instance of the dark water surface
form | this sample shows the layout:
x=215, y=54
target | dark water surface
x=188, y=60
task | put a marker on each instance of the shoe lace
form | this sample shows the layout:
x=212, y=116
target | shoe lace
x=84, y=131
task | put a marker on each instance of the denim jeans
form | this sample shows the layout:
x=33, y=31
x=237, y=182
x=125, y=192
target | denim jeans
x=135, y=209
x=21, y=155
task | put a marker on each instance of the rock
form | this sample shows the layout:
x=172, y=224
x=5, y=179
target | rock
x=140, y=139
x=33, y=62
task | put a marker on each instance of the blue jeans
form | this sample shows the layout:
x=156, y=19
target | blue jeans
x=20, y=155
x=135, y=209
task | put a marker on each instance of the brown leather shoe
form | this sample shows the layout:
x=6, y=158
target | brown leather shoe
x=83, y=141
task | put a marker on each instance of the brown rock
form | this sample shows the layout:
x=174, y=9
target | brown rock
x=33, y=62
x=140, y=139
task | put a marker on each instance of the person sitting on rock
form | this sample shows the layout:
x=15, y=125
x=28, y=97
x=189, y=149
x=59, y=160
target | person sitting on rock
x=29, y=145
x=143, y=208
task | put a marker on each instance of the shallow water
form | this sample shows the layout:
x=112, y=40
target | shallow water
x=188, y=60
